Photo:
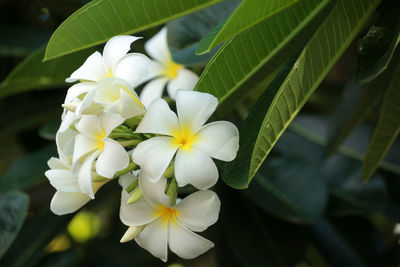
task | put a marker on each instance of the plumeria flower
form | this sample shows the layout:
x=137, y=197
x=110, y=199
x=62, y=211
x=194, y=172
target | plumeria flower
x=164, y=71
x=93, y=143
x=68, y=197
x=186, y=136
x=109, y=80
x=157, y=225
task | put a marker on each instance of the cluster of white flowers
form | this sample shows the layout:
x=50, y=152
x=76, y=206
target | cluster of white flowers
x=108, y=132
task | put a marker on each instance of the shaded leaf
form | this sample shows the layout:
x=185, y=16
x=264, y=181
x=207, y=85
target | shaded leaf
x=33, y=74
x=49, y=130
x=387, y=129
x=278, y=38
x=98, y=21
x=282, y=101
x=185, y=34
x=377, y=47
x=240, y=21
x=28, y=170
x=13, y=208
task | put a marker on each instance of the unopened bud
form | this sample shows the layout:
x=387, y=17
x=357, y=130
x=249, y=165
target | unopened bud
x=131, y=233
x=135, y=197
x=132, y=186
x=169, y=172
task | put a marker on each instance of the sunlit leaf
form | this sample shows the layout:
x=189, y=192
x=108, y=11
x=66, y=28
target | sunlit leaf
x=278, y=38
x=13, y=208
x=282, y=101
x=33, y=74
x=98, y=21
x=240, y=20
x=387, y=129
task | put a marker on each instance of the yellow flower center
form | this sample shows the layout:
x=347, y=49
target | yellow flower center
x=184, y=138
x=171, y=69
x=166, y=213
x=99, y=137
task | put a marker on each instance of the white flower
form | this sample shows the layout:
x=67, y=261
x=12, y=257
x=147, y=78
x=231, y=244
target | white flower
x=164, y=70
x=109, y=80
x=166, y=226
x=185, y=135
x=92, y=143
x=68, y=197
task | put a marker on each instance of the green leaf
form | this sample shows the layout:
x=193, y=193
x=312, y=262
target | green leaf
x=282, y=101
x=27, y=171
x=98, y=21
x=33, y=74
x=377, y=47
x=29, y=246
x=185, y=34
x=266, y=45
x=13, y=208
x=241, y=20
x=387, y=129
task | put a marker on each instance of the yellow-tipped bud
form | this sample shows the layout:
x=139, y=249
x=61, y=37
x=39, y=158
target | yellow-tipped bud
x=135, y=197
x=131, y=233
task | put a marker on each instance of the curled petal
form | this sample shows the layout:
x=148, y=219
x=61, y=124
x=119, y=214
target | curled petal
x=219, y=139
x=154, y=156
x=65, y=144
x=133, y=68
x=67, y=202
x=152, y=91
x=186, y=80
x=55, y=163
x=63, y=180
x=113, y=158
x=77, y=90
x=116, y=48
x=159, y=119
x=154, y=238
x=68, y=120
x=195, y=167
x=83, y=146
x=185, y=243
x=199, y=210
x=128, y=105
x=92, y=70
x=85, y=175
x=194, y=108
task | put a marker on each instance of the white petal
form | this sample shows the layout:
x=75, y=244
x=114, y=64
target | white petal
x=194, y=108
x=185, y=243
x=89, y=126
x=152, y=91
x=126, y=179
x=159, y=119
x=133, y=68
x=77, y=90
x=153, y=238
x=155, y=70
x=199, y=210
x=65, y=144
x=136, y=214
x=153, y=193
x=55, y=163
x=85, y=175
x=157, y=46
x=91, y=70
x=86, y=102
x=83, y=146
x=186, y=80
x=116, y=48
x=113, y=158
x=195, y=167
x=154, y=155
x=68, y=120
x=63, y=180
x=127, y=106
x=67, y=202
x=219, y=139
x=109, y=121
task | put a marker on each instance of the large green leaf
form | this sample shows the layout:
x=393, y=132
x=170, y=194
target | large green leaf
x=241, y=20
x=387, y=129
x=33, y=74
x=282, y=101
x=13, y=208
x=377, y=47
x=98, y=21
x=185, y=34
x=27, y=171
x=266, y=45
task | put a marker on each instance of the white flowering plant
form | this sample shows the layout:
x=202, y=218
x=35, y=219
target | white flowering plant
x=180, y=137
